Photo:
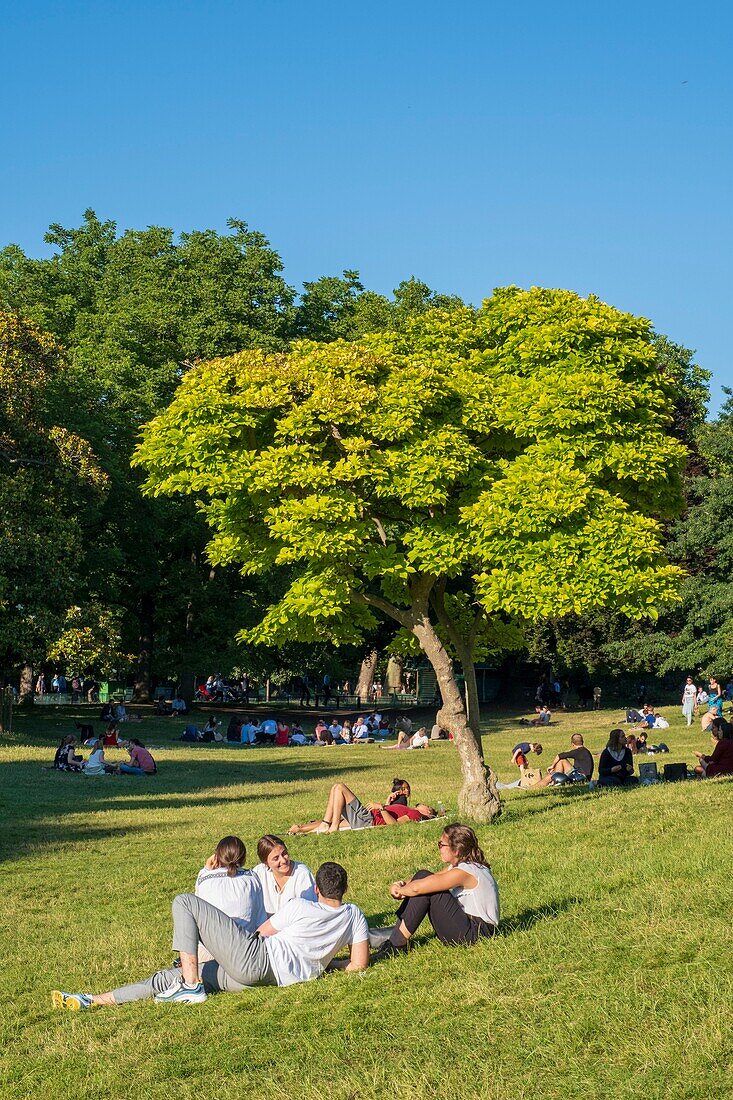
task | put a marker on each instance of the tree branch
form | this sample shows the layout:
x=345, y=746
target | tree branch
x=480, y=616
x=438, y=601
x=380, y=529
x=400, y=615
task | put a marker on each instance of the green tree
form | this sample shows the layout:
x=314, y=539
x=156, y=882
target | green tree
x=134, y=311
x=49, y=481
x=518, y=452
x=695, y=637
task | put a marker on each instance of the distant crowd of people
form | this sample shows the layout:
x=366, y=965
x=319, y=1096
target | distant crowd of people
x=364, y=729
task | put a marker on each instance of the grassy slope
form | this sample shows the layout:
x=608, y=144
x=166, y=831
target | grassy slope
x=604, y=983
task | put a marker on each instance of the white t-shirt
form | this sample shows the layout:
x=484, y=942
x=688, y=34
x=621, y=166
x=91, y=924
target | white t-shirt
x=419, y=741
x=483, y=900
x=239, y=896
x=309, y=934
x=299, y=884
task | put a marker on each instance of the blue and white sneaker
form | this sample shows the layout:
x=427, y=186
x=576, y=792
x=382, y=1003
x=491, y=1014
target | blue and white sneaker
x=180, y=993
x=72, y=1002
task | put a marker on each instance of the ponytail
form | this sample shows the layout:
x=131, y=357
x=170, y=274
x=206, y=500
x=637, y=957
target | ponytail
x=230, y=853
x=464, y=843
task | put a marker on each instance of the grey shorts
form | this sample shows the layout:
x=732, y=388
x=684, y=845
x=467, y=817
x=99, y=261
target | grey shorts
x=357, y=815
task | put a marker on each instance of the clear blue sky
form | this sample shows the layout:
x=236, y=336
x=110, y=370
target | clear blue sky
x=565, y=144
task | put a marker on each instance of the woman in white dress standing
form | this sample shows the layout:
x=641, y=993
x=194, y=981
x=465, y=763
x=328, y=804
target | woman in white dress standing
x=689, y=700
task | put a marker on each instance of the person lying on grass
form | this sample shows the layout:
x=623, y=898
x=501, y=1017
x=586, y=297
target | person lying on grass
x=295, y=945
x=461, y=901
x=281, y=877
x=345, y=811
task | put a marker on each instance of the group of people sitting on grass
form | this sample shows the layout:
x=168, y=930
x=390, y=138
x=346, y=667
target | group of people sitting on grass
x=67, y=759
x=242, y=730
x=646, y=719
x=616, y=762
x=278, y=924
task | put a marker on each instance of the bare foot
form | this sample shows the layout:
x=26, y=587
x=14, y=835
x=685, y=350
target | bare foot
x=293, y=830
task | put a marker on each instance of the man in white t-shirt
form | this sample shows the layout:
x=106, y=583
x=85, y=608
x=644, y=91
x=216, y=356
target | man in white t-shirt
x=360, y=730
x=295, y=945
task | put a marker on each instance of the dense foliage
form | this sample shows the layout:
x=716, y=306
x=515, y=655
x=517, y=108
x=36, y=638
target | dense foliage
x=518, y=453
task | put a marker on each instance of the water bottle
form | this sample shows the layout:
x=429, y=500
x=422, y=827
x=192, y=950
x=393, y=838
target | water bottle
x=440, y=809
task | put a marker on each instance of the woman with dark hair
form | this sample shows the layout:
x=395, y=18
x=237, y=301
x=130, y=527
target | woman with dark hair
x=721, y=760
x=461, y=901
x=281, y=877
x=225, y=882
x=66, y=759
x=616, y=766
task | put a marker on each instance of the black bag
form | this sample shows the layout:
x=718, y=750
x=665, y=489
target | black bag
x=673, y=773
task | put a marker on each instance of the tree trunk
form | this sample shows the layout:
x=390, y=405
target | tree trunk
x=366, y=674
x=478, y=797
x=473, y=707
x=27, y=687
x=394, y=675
x=186, y=672
x=141, y=690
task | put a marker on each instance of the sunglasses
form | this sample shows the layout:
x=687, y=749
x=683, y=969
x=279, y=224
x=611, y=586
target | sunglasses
x=443, y=844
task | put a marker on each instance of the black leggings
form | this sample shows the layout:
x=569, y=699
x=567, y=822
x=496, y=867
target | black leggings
x=452, y=925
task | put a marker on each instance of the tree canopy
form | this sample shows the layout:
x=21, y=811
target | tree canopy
x=520, y=454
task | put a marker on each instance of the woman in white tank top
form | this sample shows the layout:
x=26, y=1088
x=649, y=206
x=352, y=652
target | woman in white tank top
x=461, y=901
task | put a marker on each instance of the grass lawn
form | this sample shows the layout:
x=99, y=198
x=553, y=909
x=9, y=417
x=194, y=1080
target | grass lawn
x=611, y=977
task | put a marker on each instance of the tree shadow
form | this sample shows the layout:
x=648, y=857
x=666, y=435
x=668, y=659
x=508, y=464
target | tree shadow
x=32, y=793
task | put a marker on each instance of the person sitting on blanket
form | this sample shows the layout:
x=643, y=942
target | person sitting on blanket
x=296, y=944
x=345, y=811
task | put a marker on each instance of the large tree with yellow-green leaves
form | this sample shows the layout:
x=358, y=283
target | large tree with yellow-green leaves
x=479, y=467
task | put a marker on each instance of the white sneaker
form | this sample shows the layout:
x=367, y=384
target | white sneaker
x=180, y=993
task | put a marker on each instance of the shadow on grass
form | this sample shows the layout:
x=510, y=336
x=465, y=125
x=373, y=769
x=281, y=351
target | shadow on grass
x=31, y=793
x=520, y=922
x=525, y=919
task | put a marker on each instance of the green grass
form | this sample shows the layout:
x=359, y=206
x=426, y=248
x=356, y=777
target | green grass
x=612, y=976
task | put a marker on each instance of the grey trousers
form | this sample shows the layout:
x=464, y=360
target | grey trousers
x=240, y=958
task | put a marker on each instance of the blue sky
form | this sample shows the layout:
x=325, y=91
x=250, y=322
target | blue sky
x=564, y=144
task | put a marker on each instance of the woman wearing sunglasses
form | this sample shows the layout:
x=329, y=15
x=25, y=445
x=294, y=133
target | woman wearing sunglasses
x=461, y=901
